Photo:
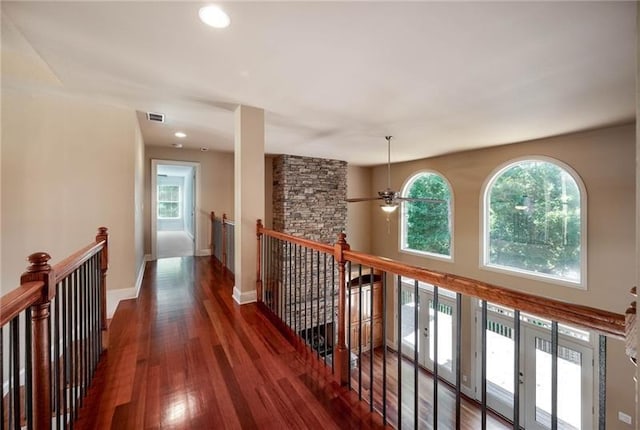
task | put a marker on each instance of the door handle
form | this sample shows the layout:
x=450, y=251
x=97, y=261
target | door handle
x=425, y=333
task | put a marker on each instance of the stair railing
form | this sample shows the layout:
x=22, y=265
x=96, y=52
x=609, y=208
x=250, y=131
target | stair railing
x=55, y=327
x=337, y=303
x=222, y=241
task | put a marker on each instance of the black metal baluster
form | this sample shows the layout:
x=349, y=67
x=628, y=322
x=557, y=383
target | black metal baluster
x=28, y=375
x=360, y=331
x=483, y=374
x=65, y=350
x=416, y=332
x=309, y=284
x=56, y=356
x=399, y=342
x=333, y=313
x=602, y=382
x=296, y=281
x=305, y=327
x=1, y=379
x=326, y=337
x=74, y=343
x=83, y=333
x=318, y=303
x=384, y=348
x=288, y=312
x=371, y=346
x=14, y=366
x=554, y=375
x=436, y=306
x=516, y=371
x=267, y=272
x=458, y=354
x=349, y=316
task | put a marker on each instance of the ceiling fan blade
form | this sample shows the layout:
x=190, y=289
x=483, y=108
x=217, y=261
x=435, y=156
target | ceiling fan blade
x=410, y=199
x=363, y=199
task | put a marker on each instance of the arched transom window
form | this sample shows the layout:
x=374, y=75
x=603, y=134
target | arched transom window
x=534, y=220
x=426, y=226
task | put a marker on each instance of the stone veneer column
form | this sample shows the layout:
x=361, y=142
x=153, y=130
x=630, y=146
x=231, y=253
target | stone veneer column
x=249, y=198
x=309, y=200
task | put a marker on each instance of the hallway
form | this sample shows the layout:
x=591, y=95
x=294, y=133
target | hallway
x=184, y=355
x=174, y=244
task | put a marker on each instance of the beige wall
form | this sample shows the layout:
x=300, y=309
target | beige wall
x=67, y=168
x=216, y=188
x=359, y=214
x=139, y=198
x=604, y=159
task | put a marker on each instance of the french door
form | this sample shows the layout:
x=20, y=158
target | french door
x=420, y=334
x=575, y=371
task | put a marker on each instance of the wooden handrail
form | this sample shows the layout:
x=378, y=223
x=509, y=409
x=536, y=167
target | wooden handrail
x=322, y=247
x=606, y=322
x=17, y=300
x=67, y=266
x=609, y=323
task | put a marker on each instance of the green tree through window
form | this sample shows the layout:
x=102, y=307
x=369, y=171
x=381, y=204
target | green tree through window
x=168, y=201
x=534, y=220
x=427, y=225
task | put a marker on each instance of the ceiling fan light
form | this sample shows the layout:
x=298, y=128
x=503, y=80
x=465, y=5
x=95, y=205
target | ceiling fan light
x=389, y=207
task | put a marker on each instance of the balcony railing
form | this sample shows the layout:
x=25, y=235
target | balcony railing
x=222, y=241
x=396, y=334
x=54, y=326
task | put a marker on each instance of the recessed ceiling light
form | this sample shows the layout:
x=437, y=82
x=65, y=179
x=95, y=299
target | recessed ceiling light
x=203, y=149
x=214, y=16
x=180, y=134
x=177, y=145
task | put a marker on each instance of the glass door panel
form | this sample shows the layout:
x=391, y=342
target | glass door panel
x=500, y=356
x=574, y=375
x=446, y=337
x=408, y=304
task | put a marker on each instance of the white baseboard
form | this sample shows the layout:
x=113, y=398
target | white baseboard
x=246, y=297
x=203, y=252
x=115, y=296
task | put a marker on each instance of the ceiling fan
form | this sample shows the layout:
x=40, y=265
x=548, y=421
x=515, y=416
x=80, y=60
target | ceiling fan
x=390, y=198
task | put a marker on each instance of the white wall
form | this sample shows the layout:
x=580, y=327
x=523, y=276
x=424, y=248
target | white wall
x=68, y=167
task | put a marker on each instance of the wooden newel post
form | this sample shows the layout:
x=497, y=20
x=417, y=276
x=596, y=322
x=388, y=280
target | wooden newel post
x=103, y=235
x=259, y=228
x=224, y=241
x=342, y=355
x=213, y=233
x=40, y=270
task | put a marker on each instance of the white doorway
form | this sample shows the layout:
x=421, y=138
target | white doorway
x=174, y=208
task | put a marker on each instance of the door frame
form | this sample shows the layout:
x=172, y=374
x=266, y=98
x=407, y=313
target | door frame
x=154, y=196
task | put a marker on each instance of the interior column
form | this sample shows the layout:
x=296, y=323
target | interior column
x=249, y=198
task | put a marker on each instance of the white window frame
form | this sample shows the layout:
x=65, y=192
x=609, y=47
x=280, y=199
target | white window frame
x=166, y=201
x=403, y=248
x=484, y=219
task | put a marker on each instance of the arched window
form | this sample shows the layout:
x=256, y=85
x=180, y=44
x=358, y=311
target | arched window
x=534, y=220
x=426, y=226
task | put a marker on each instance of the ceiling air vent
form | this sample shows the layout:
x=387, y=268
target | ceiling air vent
x=157, y=117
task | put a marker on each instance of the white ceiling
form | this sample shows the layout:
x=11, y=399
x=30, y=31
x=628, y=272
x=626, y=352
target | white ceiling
x=335, y=77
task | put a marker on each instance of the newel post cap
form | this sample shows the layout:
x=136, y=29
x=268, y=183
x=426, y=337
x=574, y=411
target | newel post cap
x=38, y=262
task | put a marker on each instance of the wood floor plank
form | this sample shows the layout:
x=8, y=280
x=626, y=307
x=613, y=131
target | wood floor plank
x=185, y=355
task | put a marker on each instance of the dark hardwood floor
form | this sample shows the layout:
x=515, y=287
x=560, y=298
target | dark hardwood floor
x=184, y=355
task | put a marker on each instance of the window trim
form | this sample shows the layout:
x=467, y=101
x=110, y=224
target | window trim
x=521, y=273
x=402, y=224
x=164, y=201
